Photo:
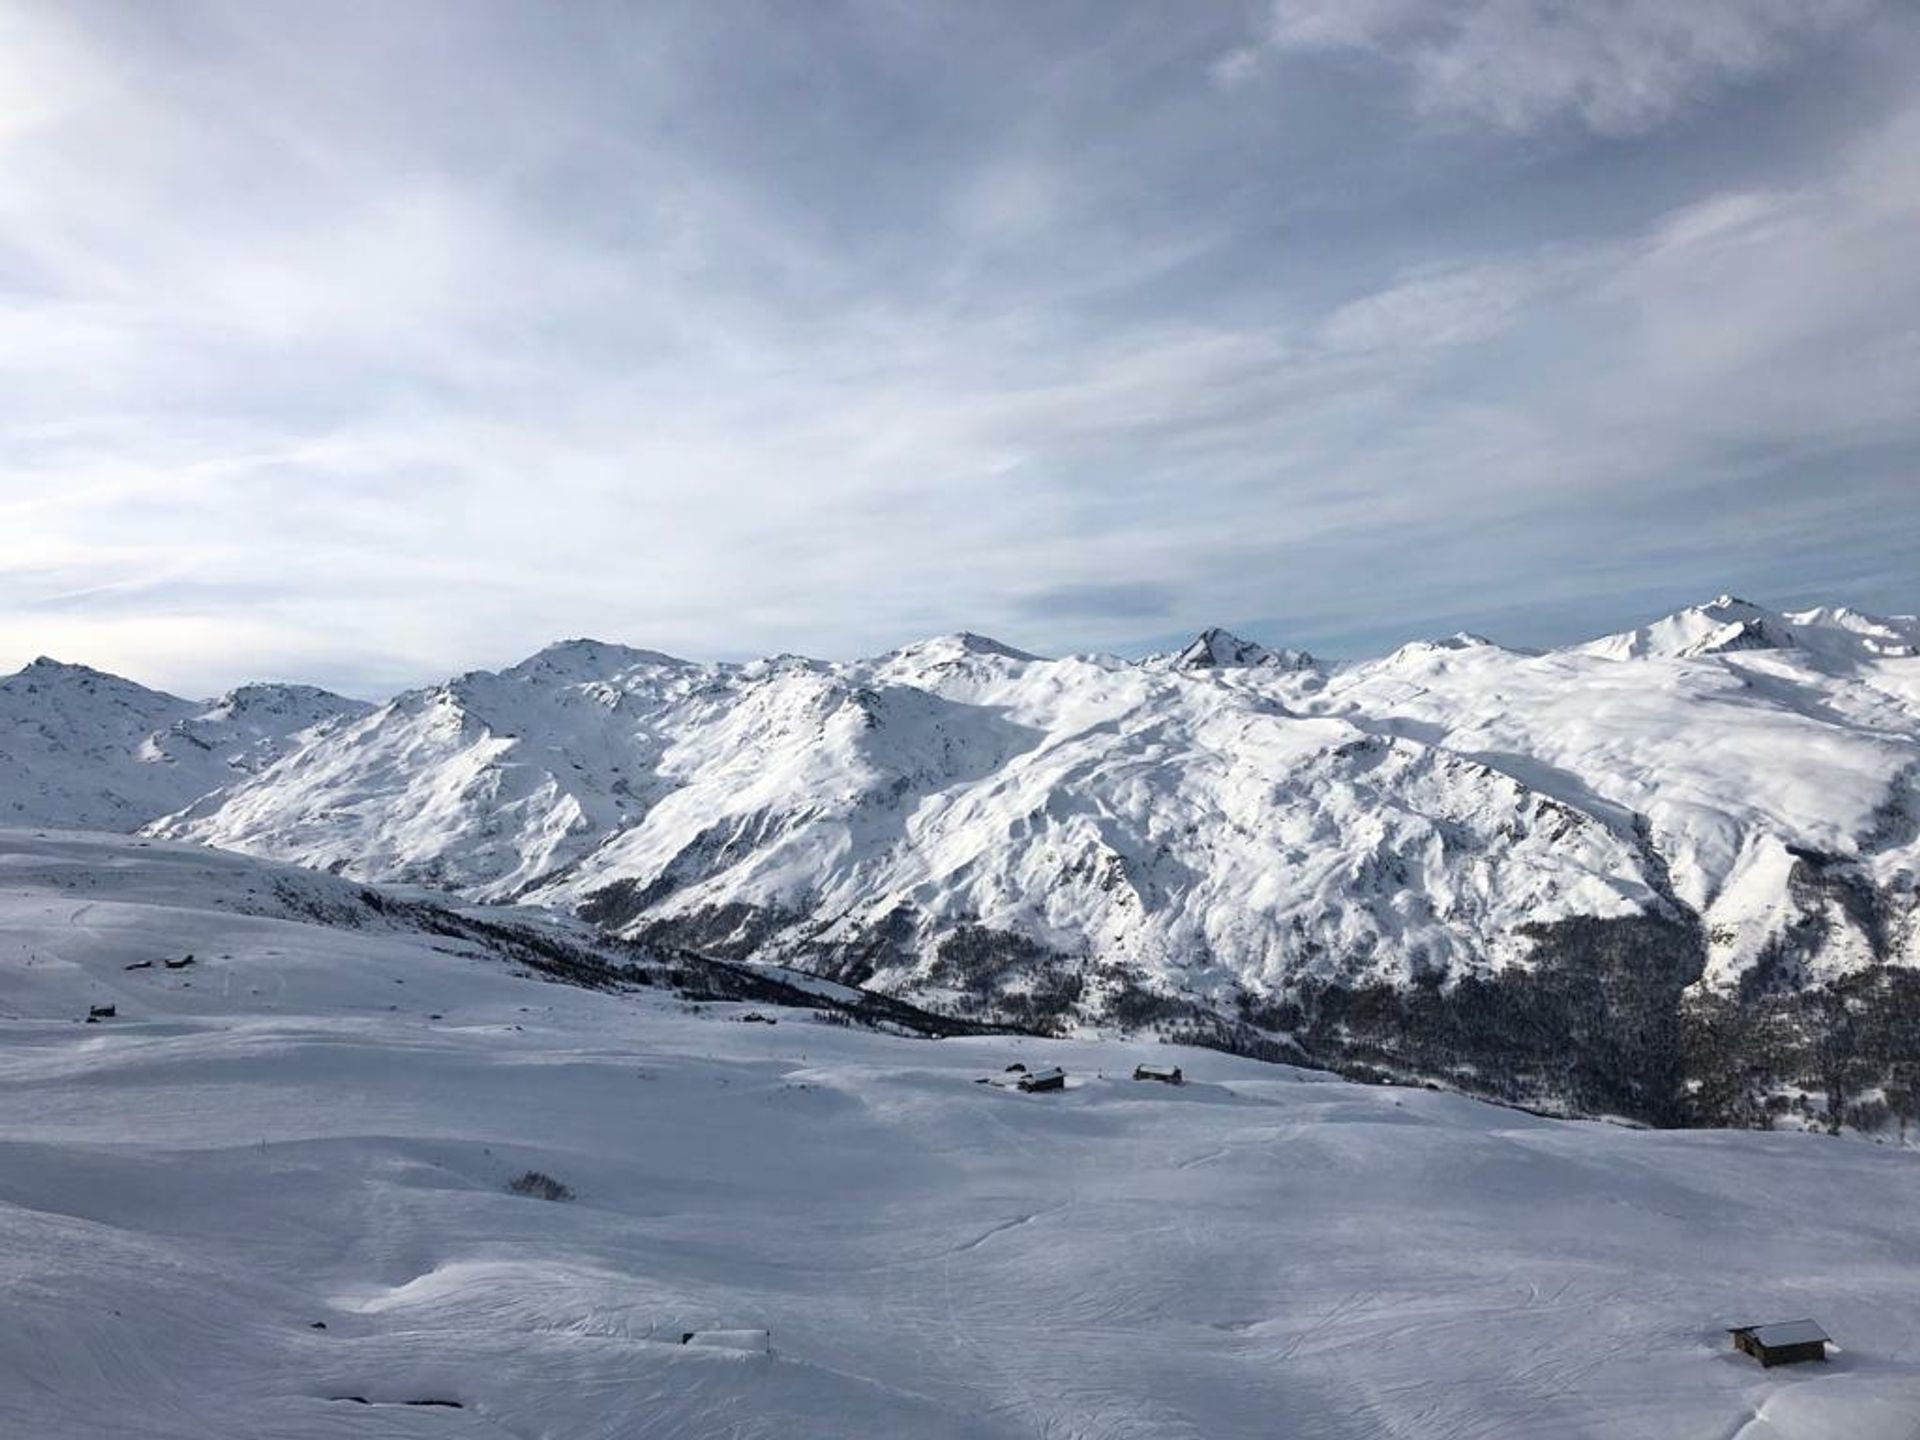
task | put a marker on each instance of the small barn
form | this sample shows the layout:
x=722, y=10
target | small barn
x=1165, y=1074
x=1782, y=1343
x=752, y=1342
x=1052, y=1078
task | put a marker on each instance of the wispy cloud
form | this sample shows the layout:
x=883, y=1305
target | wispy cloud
x=1618, y=67
x=497, y=323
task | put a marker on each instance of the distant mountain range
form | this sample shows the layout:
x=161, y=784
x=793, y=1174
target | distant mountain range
x=80, y=749
x=1655, y=873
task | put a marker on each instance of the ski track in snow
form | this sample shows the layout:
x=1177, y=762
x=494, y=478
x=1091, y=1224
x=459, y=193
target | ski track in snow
x=280, y=1135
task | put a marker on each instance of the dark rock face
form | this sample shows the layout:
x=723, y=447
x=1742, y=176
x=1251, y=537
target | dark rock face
x=734, y=931
x=886, y=946
x=1832, y=895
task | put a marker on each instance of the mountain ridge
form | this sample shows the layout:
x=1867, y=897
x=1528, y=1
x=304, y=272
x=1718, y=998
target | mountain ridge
x=81, y=748
x=1718, y=803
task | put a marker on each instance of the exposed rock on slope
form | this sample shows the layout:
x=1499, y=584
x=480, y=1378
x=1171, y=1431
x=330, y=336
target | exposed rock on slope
x=1217, y=649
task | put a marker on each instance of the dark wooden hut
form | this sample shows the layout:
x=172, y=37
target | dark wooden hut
x=1165, y=1074
x=1782, y=1343
x=1052, y=1078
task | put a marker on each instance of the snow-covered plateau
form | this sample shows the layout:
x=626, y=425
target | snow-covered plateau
x=364, y=1168
x=1668, y=874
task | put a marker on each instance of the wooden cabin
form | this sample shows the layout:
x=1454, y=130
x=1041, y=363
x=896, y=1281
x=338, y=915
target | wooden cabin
x=1783, y=1343
x=753, y=1342
x=1165, y=1074
x=1052, y=1078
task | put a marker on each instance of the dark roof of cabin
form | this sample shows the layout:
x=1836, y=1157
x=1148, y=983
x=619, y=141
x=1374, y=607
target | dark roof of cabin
x=1784, y=1332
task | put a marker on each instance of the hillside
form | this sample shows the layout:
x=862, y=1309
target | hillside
x=1597, y=876
x=80, y=748
x=273, y=1197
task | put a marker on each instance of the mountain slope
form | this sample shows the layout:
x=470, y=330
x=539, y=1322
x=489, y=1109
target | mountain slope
x=79, y=748
x=1217, y=649
x=1535, y=861
x=1728, y=625
x=1211, y=826
x=1727, y=763
x=481, y=784
x=813, y=813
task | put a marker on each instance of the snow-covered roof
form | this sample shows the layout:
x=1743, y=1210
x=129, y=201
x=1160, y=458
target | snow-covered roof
x=1786, y=1332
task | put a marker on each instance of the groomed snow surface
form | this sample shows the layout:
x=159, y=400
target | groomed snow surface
x=317, y=1125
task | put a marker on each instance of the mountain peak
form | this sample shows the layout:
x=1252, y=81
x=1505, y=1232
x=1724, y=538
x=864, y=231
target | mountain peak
x=959, y=644
x=1870, y=637
x=269, y=701
x=46, y=666
x=588, y=659
x=268, y=692
x=1458, y=642
x=1218, y=649
x=45, y=670
x=974, y=644
x=1729, y=625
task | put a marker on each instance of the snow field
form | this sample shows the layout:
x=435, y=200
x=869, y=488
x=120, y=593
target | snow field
x=280, y=1136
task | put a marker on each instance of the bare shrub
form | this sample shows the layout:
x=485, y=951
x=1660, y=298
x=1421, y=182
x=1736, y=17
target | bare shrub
x=539, y=1185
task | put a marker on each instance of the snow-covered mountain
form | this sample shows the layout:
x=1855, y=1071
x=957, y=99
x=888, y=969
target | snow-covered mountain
x=1729, y=624
x=1715, y=807
x=1231, y=816
x=83, y=749
x=860, y=817
x=1215, y=649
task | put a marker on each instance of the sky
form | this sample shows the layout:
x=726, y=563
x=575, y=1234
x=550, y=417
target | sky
x=364, y=343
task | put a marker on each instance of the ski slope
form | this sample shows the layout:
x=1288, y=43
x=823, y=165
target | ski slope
x=317, y=1121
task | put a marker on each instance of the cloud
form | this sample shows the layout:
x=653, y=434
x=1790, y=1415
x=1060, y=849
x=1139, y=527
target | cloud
x=1450, y=306
x=1616, y=67
x=1102, y=600
x=820, y=336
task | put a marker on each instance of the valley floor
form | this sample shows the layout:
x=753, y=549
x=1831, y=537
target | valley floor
x=315, y=1126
